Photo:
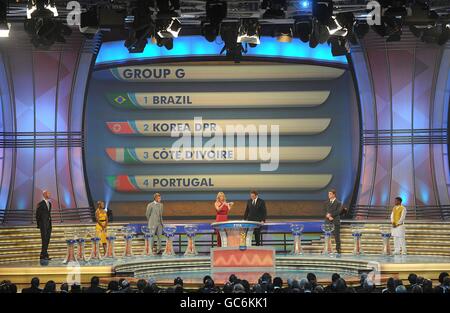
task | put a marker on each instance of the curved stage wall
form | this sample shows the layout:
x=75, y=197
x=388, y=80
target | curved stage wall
x=42, y=96
x=404, y=88
x=42, y=100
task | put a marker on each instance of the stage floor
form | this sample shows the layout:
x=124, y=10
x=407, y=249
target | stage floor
x=193, y=269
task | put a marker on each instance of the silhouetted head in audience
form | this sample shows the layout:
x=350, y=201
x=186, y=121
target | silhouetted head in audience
x=368, y=285
x=277, y=283
x=95, y=281
x=267, y=278
x=75, y=288
x=446, y=282
x=311, y=277
x=178, y=289
x=400, y=289
x=362, y=279
x=238, y=288
x=427, y=286
x=64, y=288
x=178, y=281
x=319, y=289
x=442, y=276
x=50, y=287
x=398, y=282
x=232, y=279
x=416, y=289
x=246, y=285
x=35, y=282
x=412, y=278
x=390, y=285
x=228, y=287
x=141, y=284
x=113, y=286
x=257, y=289
x=341, y=285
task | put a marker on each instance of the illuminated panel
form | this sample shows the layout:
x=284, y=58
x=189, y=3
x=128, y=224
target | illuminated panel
x=115, y=51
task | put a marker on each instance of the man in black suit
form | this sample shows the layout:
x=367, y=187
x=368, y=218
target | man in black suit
x=256, y=211
x=44, y=223
x=333, y=210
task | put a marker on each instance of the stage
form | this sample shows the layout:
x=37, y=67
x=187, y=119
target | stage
x=192, y=269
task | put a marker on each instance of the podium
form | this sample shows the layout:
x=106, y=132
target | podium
x=237, y=256
x=236, y=233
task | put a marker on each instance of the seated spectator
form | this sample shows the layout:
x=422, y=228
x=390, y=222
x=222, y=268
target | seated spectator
x=400, y=289
x=412, y=278
x=238, y=288
x=441, y=288
x=390, y=286
x=416, y=289
x=34, y=287
x=75, y=288
x=50, y=287
x=278, y=285
x=332, y=286
x=228, y=288
x=319, y=289
x=113, y=286
x=6, y=286
x=95, y=286
x=427, y=286
x=141, y=285
x=125, y=287
x=311, y=277
x=64, y=288
x=362, y=279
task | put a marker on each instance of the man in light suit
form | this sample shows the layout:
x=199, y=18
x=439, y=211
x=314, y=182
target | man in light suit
x=333, y=209
x=398, y=216
x=154, y=215
x=256, y=211
x=44, y=223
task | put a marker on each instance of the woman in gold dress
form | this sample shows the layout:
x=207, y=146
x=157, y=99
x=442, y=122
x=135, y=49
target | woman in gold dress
x=101, y=216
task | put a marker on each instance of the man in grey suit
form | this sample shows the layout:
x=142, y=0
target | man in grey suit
x=154, y=215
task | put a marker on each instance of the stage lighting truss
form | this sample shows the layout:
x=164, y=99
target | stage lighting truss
x=249, y=32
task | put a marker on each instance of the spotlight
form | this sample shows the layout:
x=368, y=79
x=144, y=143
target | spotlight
x=216, y=11
x=141, y=28
x=339, y=46
x=168, y=27
x=283, y=34
x=305, y=4
x=4, y=25
x=445, y=35
x=361, y=29
x=322, y=10
x=33, y=5
x=89, y=23
x=303, y=29
x=249, y=32
x=233, y=49
x=210, y=31
x=43, y=28
x=274, y=8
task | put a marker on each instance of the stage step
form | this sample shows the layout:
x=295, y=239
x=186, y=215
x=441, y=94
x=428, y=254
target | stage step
x=23, y=243
x=422, y=238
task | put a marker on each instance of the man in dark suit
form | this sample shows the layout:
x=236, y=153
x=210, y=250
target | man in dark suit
x=44, y=223
x=256, y=211
x=333, y=210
